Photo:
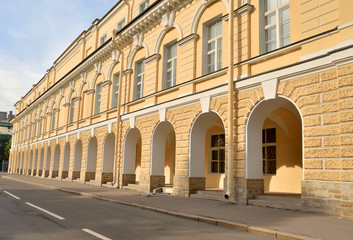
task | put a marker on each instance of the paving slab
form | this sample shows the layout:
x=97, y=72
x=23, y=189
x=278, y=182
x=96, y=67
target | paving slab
x=282, y=224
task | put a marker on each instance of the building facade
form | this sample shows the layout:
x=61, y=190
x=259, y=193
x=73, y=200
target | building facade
x=142, y=97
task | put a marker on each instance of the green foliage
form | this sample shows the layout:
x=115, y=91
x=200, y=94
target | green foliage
x=7, y=150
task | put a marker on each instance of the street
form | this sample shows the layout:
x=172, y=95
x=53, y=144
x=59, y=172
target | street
x=32, y=212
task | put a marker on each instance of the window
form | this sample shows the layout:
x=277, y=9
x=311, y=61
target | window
x=214, y=46
x=103, y=40
x=40, y=126
x=170, y=66
x=72, y=111
x=143, y=6
x=277, y=25
x=121, y=24
x=139, y=77
x=269, y=151
x=217, y=156
x=35, y=130
x=115, y=94
x=53, y=120
x=97, y=105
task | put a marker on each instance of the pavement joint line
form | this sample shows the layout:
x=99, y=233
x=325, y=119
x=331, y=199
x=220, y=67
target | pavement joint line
x=14, y=196
x=95, y=234
x=219, y=222
x=46, y=211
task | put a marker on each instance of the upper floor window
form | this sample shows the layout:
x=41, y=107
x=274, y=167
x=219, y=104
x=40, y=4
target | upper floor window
x=35, y=129
x=97, y=105
x=115, y=93
x=53, y=120
x=121, y=24
x=214, y=46
x=139, y=77
x=72, y=111
x=143, y=6
x=170, y=64
x=40, y=126
x=277, y=25
x=103, y=39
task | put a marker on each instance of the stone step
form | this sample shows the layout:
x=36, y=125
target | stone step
x=135, y=187
x=289, y=202
x=168, y=190
x=91, y=182
x=209, y=194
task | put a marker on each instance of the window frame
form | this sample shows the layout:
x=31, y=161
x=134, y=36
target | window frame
x=102, y=39
x=277, y=24
x=72, y=111
x=216, y=148
x=206, y=40
x=98, y=99
x=143, y=6
x=53, y=120
x=265, y=159
x=174, y=63
x=137, y=76
x=121, y=24
x=115, y=90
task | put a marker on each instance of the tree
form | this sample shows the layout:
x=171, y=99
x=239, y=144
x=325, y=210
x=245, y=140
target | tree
x=7, y=150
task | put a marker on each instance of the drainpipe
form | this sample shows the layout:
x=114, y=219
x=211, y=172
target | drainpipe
x=117, y=138
x=230, y=190
x=128, y=11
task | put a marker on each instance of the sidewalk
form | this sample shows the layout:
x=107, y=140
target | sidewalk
x=283, y=224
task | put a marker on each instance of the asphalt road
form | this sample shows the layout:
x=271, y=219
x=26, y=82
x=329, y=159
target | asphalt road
x=31, y=212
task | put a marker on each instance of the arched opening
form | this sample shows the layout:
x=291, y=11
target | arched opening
x=108, y=158
x=22, y=163
x=207, y=153
x=274, y=147
x=66, y=161
x=29, y=171
x=91, y=159
x=47, y=163
x=163, y=155
x=132, y=157
x=34, y=171
x=77, y=160
x=41, y=163
x=55, y=170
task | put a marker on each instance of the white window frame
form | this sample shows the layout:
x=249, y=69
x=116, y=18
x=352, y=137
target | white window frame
x=98, y=99
x=103, y=39
x=139, y=78
x=217, y=51
x=53, y=120
x=216, y=148
x=72, y=111
x=115, y=89
x=276, y=24
x=121, y=24
x=143, y=6
x=40, y=125
x=167, y=83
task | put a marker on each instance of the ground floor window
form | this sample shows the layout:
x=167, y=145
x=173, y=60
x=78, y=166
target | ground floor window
x=269, y=151
x=217, y=156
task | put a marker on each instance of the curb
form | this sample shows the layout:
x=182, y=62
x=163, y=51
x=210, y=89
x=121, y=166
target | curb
x=208, y=220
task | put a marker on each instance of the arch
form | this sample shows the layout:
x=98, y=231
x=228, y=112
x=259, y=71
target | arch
x=133, y=53
x=35, y=166
x=41, y=163
x=91, y=158
x=108, y=153
x=131, y=140
x=77, y=160
x=69, y=96
x=29, y=169
x=163, y=151
x=200, y=10
x=163, y=33
x=66, y=160
x=283, y=114
x=205, y=126
x=111, y=68
x=56, y=161
x=94, y=80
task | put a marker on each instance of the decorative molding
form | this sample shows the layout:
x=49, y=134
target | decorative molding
x=205, y=103
x=138, y=39
x=132, y=122
x=90, y=91
x=128, y=72
x=193, y=37
x=98, y=67
x=162, y=114
x=106, y=83
x=269, y=88
x=153, y=58
x=115, y=56
x=66, y=104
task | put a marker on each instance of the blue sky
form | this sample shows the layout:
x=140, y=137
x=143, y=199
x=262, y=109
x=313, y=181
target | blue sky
x=33, y=35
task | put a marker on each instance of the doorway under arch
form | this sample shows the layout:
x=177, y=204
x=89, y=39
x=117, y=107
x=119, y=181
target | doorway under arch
x=108, y=158
x=163, y=155
x=132, y=157
x=274, y=147
x=47, y=163
x=91, y=159
x=66, y=161
x=56, y=161
x=76, y=171
x=207, y=153
x=29, y=168
x=41, y=163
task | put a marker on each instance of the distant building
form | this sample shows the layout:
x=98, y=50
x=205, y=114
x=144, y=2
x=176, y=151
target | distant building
x=5, y=138
x=148, y=105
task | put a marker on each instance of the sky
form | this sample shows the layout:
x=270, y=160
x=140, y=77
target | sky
x=33, y=35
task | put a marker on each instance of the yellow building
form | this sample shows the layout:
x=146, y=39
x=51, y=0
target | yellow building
x=141, y=98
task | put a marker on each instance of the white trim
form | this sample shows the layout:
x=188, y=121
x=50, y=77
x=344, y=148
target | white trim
x=343, y=26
